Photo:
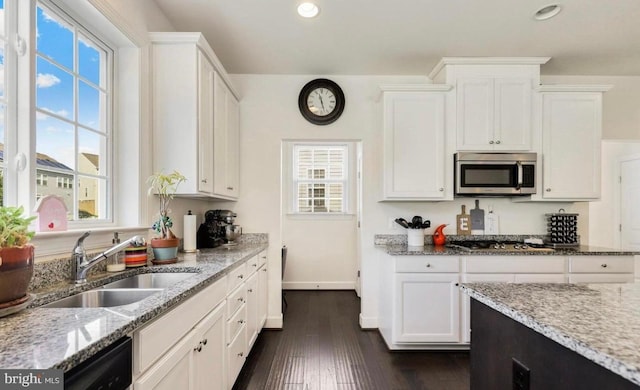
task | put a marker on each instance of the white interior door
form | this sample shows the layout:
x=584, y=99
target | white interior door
x=630, y=203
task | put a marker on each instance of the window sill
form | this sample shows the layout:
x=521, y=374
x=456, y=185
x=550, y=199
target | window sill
x=327, y=216
x=56, y=245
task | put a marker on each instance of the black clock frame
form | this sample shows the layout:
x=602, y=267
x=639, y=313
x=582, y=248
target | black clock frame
x=318, y=119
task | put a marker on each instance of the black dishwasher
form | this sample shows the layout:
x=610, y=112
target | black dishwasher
x=108, y=369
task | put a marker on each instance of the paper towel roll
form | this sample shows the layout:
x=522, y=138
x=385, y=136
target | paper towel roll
x=189, y=236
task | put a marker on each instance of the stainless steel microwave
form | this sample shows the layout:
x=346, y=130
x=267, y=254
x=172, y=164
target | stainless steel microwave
x=495, y=174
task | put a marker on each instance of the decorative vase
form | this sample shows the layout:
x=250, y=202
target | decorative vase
x=16, y=270
x=165, y=250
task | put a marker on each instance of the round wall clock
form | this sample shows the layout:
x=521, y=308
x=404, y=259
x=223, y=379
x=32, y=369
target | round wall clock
x=321, y=101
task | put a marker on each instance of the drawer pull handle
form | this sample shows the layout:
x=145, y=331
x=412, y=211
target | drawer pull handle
x=603, y=265
x=241, y=354
x=428, y=265
x=255, y=265
x=240, y=276
x=264, y=269
x=198, y=348
x=264, y=257
x=204, y=181
x=204, y=342
x=250, y=290
x=230, y=188
x=241, y=322
x=241, y=299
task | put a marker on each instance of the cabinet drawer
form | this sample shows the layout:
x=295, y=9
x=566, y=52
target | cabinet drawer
x=236, y=355
x=601, y=278
x=236, y=322
x=252, y=265
x=427, y=264
x=601, y=264
x=156, y=338
x=237, y=276
x=262, y=258
x=235, y=300
x=514, y=264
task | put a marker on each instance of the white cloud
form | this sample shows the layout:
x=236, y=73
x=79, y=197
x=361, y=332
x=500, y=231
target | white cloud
x=46, y=80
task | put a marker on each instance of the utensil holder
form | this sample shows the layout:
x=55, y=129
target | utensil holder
x=415, y=237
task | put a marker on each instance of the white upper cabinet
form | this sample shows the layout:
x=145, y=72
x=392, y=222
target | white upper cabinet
x=570, y=136
x=195, y=116
x=416, y=166
x=493, y=100
x=494, y=113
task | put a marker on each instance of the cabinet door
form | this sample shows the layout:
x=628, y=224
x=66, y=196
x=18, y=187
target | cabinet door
x=475, y=113
x=414, y=145
x=571, y=135
x=512, y=114
x=427, y=308
x=252, y=309
x=233, y=146
x=172, y=371
x=220, y=136
x=210, y=352
x=263, y=284
x=205, y=124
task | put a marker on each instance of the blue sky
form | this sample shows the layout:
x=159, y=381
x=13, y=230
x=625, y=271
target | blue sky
x=55, y=81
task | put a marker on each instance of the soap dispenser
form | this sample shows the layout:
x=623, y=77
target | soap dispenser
x=116, y=263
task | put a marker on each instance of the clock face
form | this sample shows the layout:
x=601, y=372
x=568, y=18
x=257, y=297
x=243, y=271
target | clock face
x=321, y=101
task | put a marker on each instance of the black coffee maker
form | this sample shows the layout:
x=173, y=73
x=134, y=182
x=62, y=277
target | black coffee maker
x=211, y=232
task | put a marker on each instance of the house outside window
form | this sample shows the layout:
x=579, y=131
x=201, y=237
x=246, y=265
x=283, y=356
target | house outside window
x=73, y=111
x=320, y=178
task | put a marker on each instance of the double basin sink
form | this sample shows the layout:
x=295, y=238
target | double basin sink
x=122, y=292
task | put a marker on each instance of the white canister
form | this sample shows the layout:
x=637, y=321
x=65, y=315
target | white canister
x=415, y=237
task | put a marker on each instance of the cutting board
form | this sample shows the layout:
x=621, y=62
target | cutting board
x=477, y=219
x=463, y=223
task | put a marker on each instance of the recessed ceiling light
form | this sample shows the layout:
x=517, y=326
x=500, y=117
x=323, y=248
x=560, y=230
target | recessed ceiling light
x=547, y=12
x=308, y=10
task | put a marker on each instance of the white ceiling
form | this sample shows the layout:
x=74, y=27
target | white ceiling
x=408, y=37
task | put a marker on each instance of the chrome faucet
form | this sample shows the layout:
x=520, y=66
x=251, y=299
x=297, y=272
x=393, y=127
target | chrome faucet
x=80, y=263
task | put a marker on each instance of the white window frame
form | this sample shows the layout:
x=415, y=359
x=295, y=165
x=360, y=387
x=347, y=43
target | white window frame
x=131, y=118
x=293, y=180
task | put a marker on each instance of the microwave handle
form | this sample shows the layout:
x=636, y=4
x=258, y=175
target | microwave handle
x=519, y=185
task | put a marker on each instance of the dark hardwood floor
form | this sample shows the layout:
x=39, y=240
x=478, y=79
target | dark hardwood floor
x=323, y=348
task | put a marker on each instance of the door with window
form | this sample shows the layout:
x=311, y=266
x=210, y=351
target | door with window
x=319, y=221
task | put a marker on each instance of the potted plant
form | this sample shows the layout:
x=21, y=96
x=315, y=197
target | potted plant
x=16, y=256
x=165, y=246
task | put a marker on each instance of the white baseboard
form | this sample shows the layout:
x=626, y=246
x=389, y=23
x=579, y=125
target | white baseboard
x=368, y=322
x=318, y=285
x=274, y=322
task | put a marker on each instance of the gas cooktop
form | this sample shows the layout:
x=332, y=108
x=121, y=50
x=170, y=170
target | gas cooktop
x=506, y=246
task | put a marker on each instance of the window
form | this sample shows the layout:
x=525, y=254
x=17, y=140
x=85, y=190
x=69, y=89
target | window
x=320, y=178
x=73, y=112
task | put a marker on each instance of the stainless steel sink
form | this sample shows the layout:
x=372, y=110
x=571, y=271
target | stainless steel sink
x=152, y=280
x=104, y=298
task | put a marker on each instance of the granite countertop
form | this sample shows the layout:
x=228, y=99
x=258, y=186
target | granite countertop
x=598, y=321
x=582, y=250
x=38, y=338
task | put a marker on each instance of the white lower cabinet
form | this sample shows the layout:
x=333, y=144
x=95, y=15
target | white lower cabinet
x=196, y=362
x=263, y=286
x=428, y=308
x=421, y=306
x=203, y=342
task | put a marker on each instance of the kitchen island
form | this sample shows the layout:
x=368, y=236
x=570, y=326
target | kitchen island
x=564, y=336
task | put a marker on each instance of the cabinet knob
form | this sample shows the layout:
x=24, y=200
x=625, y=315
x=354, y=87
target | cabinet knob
x=255, y=265
x=548, y=190
x=240, y=299
x=428, y=265
x=241, y=354
x=198, y=348
x=264, y=269
x=240, y=276
x=603, y=265
x=204, y=181
x=497, y=142
x=230, y=188
x=490, y=142
x=204, y=342
x=241, y=322
x=441, y=189
x=250, y=290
